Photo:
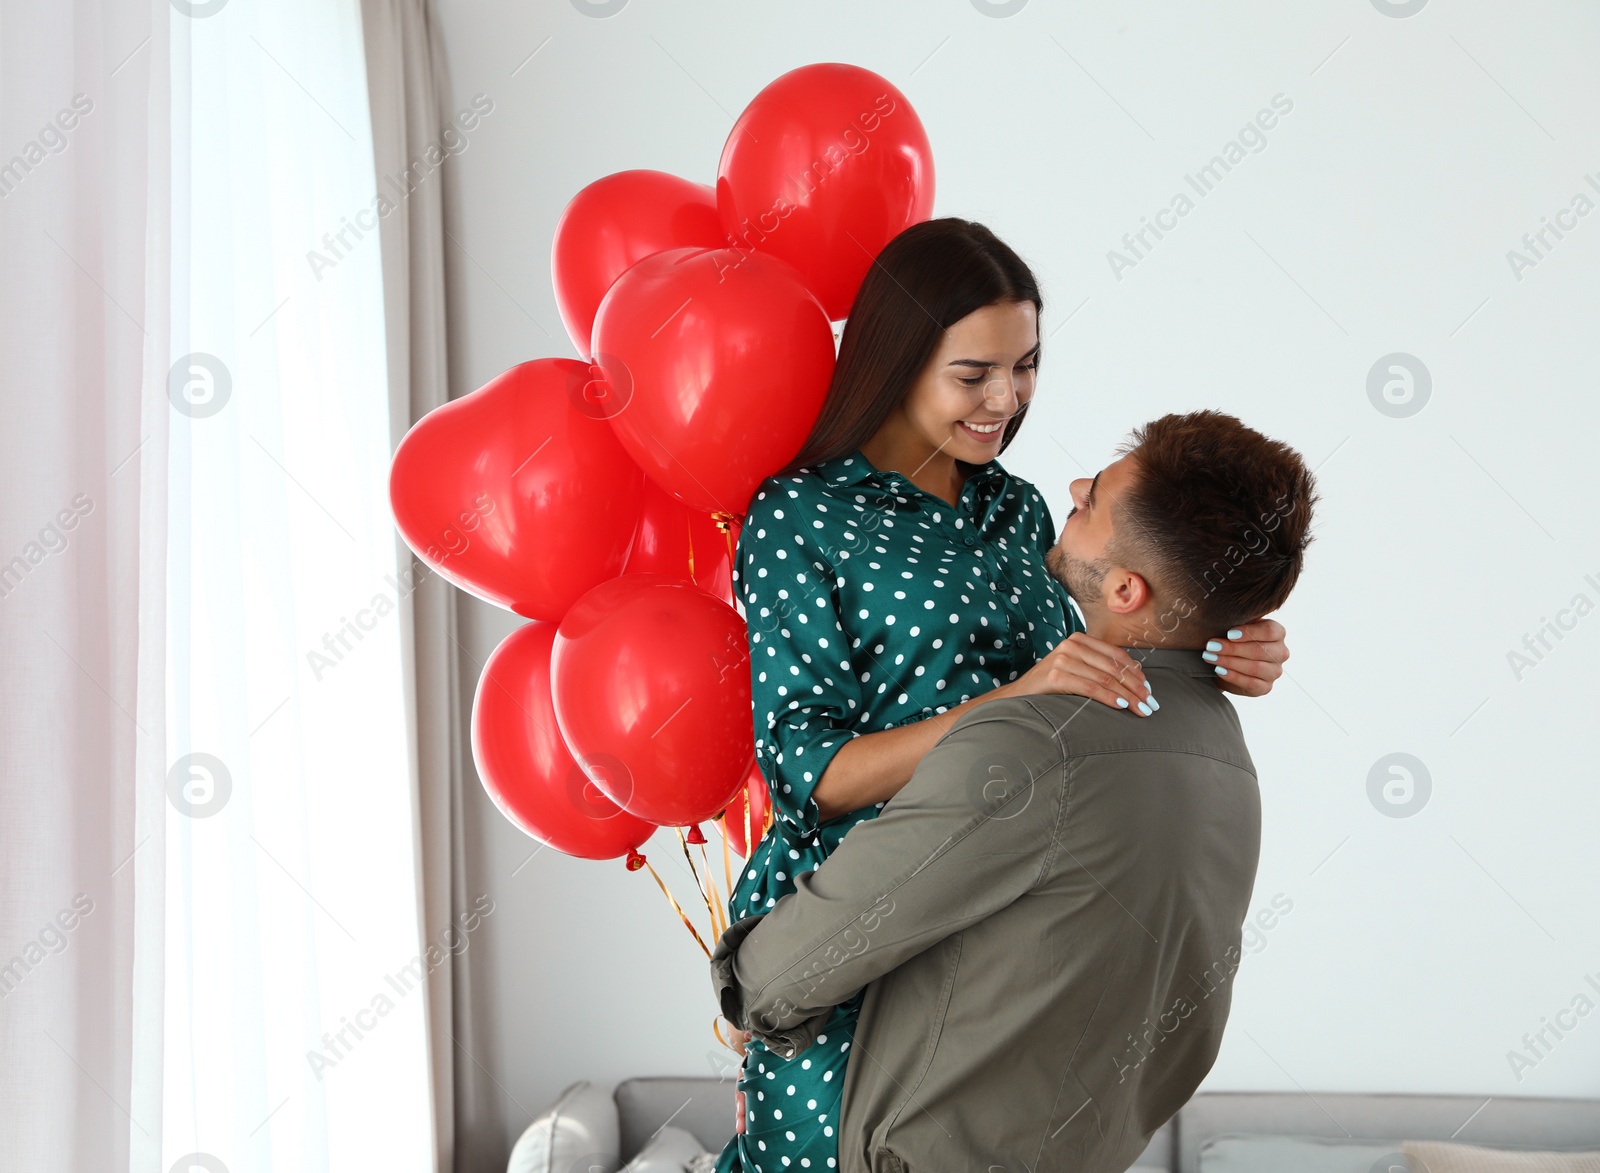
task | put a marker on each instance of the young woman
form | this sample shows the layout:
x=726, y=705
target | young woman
x=893, y=578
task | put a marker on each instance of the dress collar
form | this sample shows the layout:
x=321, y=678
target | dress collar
x=843, y=471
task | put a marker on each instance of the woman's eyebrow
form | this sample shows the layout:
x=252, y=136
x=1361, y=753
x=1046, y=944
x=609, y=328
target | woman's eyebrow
x=974, y=362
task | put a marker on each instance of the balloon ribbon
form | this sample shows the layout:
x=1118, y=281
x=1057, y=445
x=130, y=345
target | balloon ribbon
x=708, y=887
x=727, y=871
x=636, y=861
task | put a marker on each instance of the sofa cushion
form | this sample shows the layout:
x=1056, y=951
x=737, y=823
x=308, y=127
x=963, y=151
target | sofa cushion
x=672, y=1150
x=578, y=1134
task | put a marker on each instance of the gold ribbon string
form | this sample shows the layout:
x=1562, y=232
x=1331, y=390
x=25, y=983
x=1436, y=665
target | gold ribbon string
x=727, y=869
x=719, y=923
x=636, y=861
x=706, y=887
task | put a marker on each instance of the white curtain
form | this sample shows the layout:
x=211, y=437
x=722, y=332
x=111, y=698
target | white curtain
x=83, y=361
x=296, y=975
x=210, y=945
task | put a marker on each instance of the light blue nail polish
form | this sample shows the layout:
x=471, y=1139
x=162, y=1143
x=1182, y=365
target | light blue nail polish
x=1122, y=703
x=1151, y=701
x=1213, y=645
x=1144, y=709
x=1235, y=633
x=1220, y=670
x=1211, y=656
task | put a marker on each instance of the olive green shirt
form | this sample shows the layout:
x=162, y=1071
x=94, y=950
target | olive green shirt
x=1046, y=920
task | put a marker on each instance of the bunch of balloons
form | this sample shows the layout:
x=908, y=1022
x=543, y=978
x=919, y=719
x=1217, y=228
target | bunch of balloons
x=600, y=499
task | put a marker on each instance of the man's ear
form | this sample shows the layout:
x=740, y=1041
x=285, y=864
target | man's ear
x=1125, y=591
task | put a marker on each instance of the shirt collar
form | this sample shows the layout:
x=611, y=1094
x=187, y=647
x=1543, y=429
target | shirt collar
x=1189, y=662
x=843, y=471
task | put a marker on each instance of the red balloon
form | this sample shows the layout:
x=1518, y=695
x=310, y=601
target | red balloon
x=524, y=764
x=516, y=493
x=616, y=221
x=713, y=366
x=651, y=680
x=826, y=166
x=671, y=536
x=755, y=800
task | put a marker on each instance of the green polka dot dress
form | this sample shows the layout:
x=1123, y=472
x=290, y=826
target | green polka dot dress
x=870, y=604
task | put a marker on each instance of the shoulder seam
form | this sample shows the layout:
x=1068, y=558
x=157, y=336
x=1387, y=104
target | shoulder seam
x=1190, y=748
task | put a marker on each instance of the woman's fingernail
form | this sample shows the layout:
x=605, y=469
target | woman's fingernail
x=1122, y=703
x=1213, y=645
x=1152, y=702
x=1144, y=709
x=1211, y=656
x=1220, y=670
x=1235, y=633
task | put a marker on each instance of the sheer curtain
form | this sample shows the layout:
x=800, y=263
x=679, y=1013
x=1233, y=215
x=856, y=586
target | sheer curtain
x=296, y=972
x=83, y=363
x=211, y=951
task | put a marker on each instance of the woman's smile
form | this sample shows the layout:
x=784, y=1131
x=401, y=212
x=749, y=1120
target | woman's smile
x=983, y=431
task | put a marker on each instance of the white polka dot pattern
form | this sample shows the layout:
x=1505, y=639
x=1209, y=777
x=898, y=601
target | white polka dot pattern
x=871, y=604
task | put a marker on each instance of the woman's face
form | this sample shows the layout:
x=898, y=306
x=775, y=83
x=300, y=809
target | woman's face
x=979, y=377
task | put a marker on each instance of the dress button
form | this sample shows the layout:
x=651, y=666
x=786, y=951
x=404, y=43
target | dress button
x=970, y=540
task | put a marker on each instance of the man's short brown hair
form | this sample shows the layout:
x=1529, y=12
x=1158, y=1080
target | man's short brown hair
x=1217, y=517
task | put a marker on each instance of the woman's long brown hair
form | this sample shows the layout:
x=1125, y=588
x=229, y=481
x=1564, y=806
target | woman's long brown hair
x=924, y=281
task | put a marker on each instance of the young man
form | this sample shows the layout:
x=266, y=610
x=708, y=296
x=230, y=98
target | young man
x=1049, y=914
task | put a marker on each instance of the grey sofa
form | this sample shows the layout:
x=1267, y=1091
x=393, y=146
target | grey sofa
x=704, y=1107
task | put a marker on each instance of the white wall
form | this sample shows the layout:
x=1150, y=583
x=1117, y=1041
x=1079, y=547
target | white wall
x=1377, y=219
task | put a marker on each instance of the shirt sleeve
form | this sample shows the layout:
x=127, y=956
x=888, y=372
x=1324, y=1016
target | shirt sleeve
x=804, y=696
x=1047, y=538
x=970, y=833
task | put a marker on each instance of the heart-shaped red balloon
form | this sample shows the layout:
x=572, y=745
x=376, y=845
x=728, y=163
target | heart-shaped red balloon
x=680, y=542
x=524, y=764
x=616, y=221
x=714, y=366
x=651, y=680
x=827, y=164
x=517, y=492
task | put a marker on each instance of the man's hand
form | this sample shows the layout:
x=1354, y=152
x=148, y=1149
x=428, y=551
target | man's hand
x=1249, y=658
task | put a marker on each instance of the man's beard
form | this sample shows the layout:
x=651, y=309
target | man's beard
x=1081, y=576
